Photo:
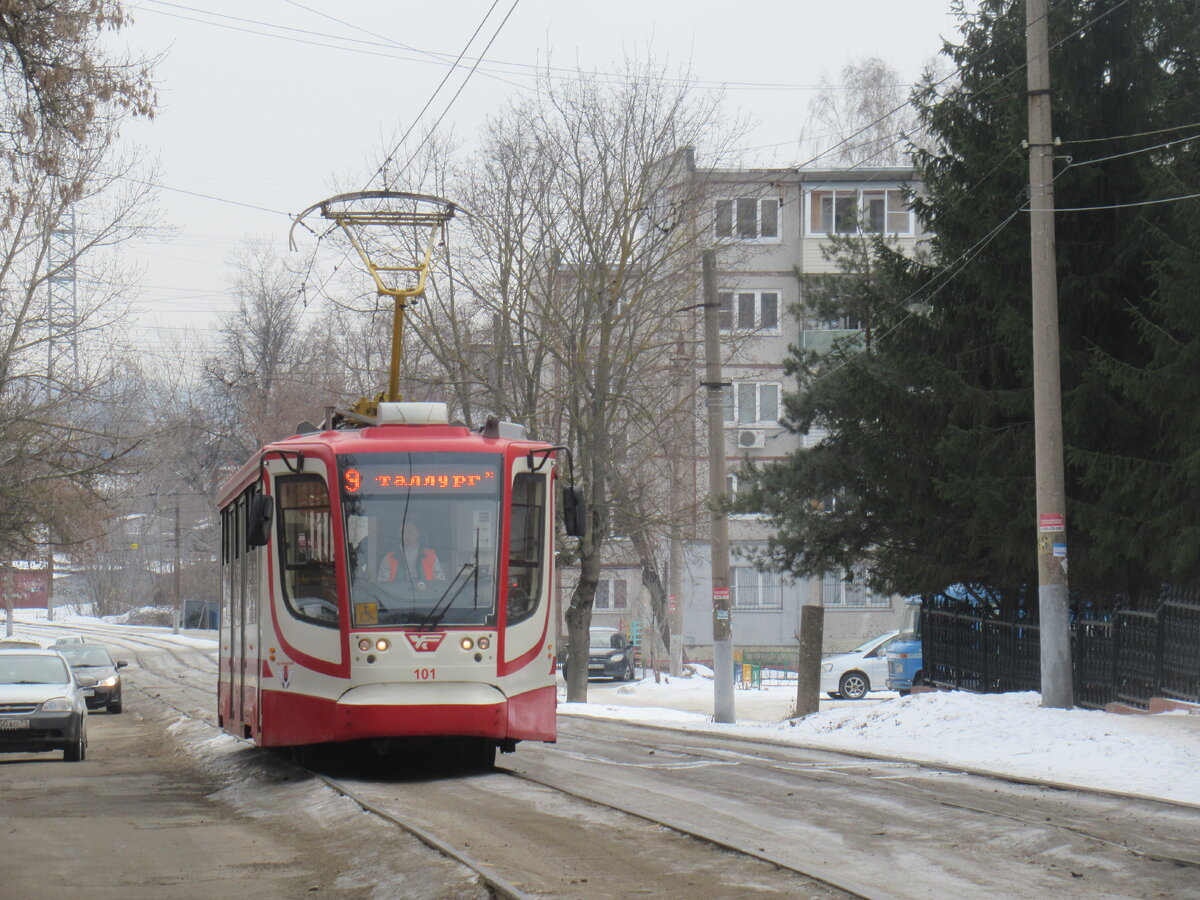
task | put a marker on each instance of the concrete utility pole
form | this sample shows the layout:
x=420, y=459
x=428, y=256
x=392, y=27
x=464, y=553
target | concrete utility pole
x=178, y=594
x=812, y=638
x=719, y=539
x=50, y=577
x=1047, y=390
x=675, y=580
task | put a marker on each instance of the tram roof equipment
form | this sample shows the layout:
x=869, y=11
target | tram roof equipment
x=370, y=220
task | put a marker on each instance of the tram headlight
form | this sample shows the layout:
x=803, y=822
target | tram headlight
x=466, y=643
x=382, y=644
x=364, y=645
x=483, y=643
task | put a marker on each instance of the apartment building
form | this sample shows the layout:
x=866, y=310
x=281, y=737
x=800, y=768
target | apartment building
x=772, y=227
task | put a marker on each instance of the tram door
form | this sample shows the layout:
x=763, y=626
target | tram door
x=238, y=619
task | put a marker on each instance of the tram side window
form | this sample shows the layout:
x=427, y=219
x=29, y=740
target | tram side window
x=526, y=558
x=250, y=564
x=306, y=549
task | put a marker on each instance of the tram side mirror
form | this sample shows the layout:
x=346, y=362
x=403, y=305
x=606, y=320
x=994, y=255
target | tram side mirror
x=258, y=529
x=574, y=511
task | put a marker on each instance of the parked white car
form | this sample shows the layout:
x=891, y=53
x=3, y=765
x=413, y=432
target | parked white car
x=851, y=675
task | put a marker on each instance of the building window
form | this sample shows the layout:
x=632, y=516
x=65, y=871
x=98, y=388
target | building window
x=611, y=593
x=839, y=323
x=753, y=589
x=752, y=403
x=859, y=211
x=748, y=218
x=749, y=310
x=839, y=593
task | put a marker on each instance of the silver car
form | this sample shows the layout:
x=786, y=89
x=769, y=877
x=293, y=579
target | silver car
x=41, y=706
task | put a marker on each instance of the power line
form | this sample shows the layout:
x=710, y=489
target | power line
x=1125, y=205
x=202, y=195
x=966, y=257
x=442, y=58
x=1087, y=162
x=958, y=71
x=1121, y=137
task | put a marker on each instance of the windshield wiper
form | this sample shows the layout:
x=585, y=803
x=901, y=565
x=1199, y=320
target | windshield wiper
x=438, y=612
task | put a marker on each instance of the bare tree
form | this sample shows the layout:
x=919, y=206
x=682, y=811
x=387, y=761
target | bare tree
x=588, y=224
x=58, y=75
x=261, y=374
x=865, y=118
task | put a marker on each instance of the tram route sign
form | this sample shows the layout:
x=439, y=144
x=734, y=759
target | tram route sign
x=363, y=475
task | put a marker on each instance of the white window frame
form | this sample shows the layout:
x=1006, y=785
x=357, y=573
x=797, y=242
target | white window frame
x=610, y=583
x=733, y=404
x=838, y=593
x=838, y=193
x=735, y=298
x=764, y=594
x=730, y=229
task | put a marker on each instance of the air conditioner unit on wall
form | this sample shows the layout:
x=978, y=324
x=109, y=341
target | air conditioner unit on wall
x=751, y=438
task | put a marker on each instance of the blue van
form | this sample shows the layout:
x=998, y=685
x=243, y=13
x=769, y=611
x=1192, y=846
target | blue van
x=904, y=653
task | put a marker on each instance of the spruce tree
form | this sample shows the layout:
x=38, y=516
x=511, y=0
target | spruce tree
x=929, y=457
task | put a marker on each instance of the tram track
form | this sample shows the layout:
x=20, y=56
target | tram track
x=986, y=805
x=1157, y=832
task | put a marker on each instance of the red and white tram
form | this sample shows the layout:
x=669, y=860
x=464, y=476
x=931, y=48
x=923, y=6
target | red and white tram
x=392, y=581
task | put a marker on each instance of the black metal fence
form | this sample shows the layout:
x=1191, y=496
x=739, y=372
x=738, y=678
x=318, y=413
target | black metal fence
x=1128, y=654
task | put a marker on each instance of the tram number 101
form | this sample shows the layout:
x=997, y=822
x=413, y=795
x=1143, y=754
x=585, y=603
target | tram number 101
x=425, y=674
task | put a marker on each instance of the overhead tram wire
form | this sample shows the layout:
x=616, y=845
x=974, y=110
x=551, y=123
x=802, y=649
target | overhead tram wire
x=475, y=65
x=437, y=90
x=395, y=150
x=430, y=131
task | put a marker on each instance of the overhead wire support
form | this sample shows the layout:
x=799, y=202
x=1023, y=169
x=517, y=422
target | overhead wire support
x=389, y=210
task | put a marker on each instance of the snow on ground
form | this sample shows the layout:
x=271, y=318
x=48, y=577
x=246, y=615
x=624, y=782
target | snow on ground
x=1007, y=734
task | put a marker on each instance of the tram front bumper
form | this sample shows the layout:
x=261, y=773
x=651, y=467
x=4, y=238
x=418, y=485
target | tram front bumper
x=463, y=709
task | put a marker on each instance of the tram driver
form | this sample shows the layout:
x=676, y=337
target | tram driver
x=411, y=560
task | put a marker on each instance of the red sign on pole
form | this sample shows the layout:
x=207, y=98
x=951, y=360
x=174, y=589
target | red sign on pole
x=1052, y=522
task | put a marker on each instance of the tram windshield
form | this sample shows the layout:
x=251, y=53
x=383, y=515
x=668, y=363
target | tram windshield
x=422, y=532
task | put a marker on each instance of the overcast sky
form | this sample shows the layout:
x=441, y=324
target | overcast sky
x=272, y=103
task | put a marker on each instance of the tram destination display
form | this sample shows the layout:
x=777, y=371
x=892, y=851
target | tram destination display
x=380, y=474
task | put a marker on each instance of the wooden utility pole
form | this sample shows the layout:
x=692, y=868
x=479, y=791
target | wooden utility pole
x=719, y=538
x=1047, y=390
